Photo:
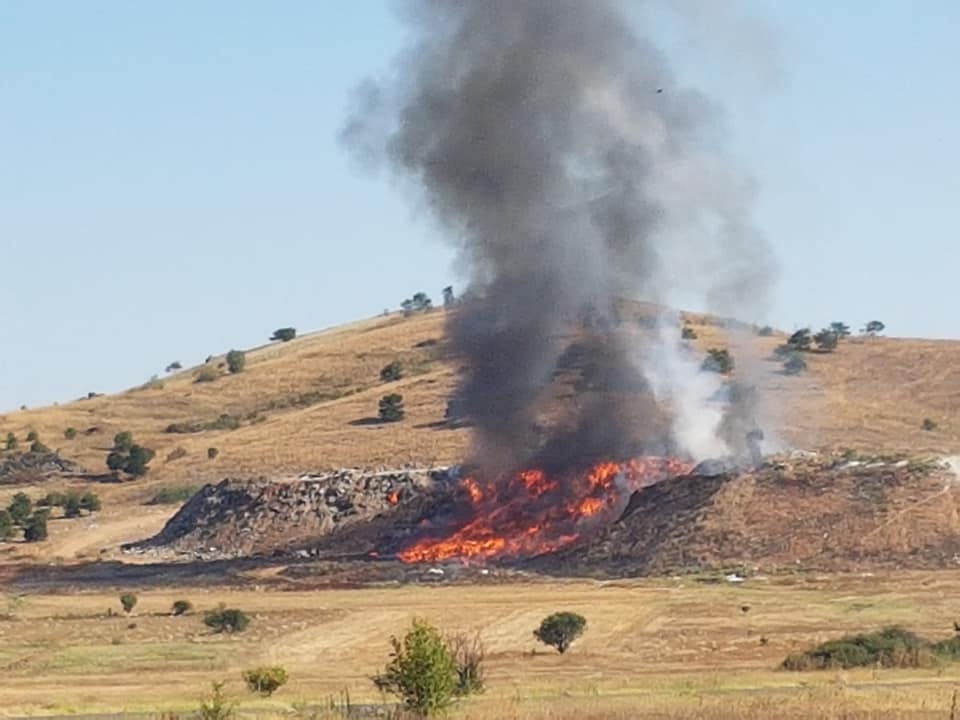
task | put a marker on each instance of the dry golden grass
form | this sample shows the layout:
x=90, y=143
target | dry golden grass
x=666, y=648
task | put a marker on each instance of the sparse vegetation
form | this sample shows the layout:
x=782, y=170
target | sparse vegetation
x=422, y=671
x=236, y=361
x=176, y=454
x=212, y=453
x=70, y=433
x=560, y=630
x=718, y=361
x=173, y=495
x=123, y=441
x=890, y=647
x=688, y=333
x=391, y=408
x=128, y=601
x=929, y=424
x=216, y=706
x=181, y=607
x=468, y=653
x=285, y=334
x=208, y=373
x=265, y=680
x=226, y=620
x=392, y=372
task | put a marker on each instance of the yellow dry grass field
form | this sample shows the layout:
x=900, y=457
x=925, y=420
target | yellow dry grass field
x=672, y=647
x=305, y=405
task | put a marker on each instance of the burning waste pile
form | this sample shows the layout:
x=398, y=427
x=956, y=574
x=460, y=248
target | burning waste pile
x=556, y=150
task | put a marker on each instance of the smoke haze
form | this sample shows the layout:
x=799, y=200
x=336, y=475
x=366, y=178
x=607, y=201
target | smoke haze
x=553, y=146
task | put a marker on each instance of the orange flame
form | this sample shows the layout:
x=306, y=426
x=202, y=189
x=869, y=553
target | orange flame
x=394, y=497
x=531, y=513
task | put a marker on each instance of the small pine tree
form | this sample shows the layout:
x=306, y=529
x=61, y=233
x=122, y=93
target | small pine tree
x=422, y=671
x=212, y=453
x=392, y=371
x=560, y=630
x=236, y=361
x=71, y=505
x=391, y=408
x=765, y=331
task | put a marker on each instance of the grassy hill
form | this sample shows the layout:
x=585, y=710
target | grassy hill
x=307, y=404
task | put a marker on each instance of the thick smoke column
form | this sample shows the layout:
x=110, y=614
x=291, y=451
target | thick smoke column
x=554, y=147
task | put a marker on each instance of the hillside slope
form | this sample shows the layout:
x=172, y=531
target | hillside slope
x=308, y=405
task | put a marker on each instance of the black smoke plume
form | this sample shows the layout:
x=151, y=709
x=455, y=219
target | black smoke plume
x=554, y=147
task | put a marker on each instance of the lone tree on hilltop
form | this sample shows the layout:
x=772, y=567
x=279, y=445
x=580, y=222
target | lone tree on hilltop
x=800, y=340
x=422, y=671
x=826, y=340
x=285, y=334
x=236, y=361
x=873, y=328
x=391, y=408
x=391, y=372
x=420, y=302
x=175, y=365
x=560, y=630
x=842, y=330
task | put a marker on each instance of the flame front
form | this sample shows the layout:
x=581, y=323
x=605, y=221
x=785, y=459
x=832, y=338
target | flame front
x=530, y=512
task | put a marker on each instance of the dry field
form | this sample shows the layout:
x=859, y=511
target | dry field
x=665, y=648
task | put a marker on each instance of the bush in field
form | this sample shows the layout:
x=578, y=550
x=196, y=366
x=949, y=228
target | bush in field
x=718, y=361
x=890, y=647
x=128, y=601
x=794, y=365
x=35, y=527
x=38, y=448
x=32, y=436
x=827, y=340
x=265, y=680
x=90, y=502
x=800, y=340
x=422, y=671
x=228, y=620
x=172, y=367
x=929, y=425
x=11, y=443
x=560, y=630
x=7, y=528
x=212, y=453
x=128, y=456
x=70, y=433
x=206, y=374
x=236, y=361
x=391, y=408
x=20, y=508
x=284, y=334
x=392, y=372
x=688, y=333
x=123, y=440
x=181, y=607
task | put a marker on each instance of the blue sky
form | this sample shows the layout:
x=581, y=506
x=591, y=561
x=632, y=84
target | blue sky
x=171, y=184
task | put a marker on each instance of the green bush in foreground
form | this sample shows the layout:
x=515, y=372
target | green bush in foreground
x=224, y=619
x=560, y=630
x=265, y=680
x=422, y=671
x=890, y=647
x=216, y=707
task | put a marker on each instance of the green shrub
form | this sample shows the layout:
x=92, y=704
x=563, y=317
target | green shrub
x=206, y=374
x=90, y=502
x=929, y=425
x=718, y=361
x=32, y=436
x=560, y=630
x=284, y=334
x=20, y=508
x=392, y=371
x=123, y=440
x=826, y=340
x=212, y=453
x=128, y=456
x=224, y=619
x=391, y=408
x=890, y=647
x=181, y=607
x=422, y=671
x=265, y=680
x=71, y=505
x=7, y=529
x=175, y=365
x=128, y=601
x=688, y=333
x=35, y=527
x=236, y=361
x=38, y=448
x=70, y=433
x=11, y=443
x=52, y=499
x=173, y=495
